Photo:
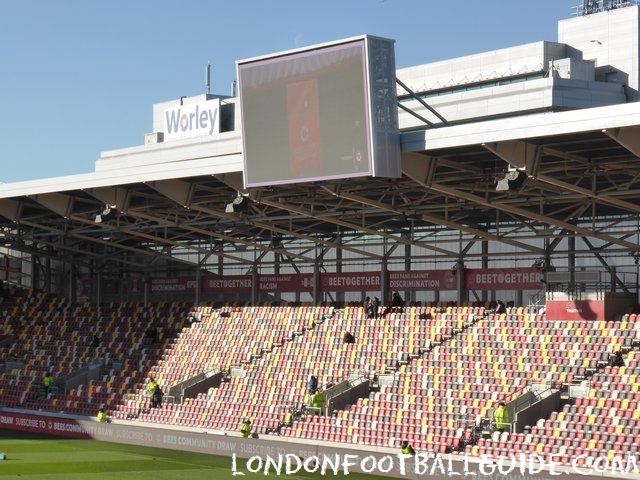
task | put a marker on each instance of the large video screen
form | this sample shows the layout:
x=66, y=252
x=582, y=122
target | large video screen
x=306, y=115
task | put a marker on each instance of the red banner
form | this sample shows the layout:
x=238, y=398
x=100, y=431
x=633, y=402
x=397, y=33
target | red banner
x=110, y=286
x=423, y=280
x=575, y=309
x=49, y=425
x=286, y=283
x=350, y=282
x=418, y=280
x=503, y=279
x=227, y=284
x=174, y=285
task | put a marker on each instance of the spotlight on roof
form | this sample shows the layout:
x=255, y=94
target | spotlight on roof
x=457, y=266
x=239, y=204
x=543, y=265
x=511, y=181
x=109, y=212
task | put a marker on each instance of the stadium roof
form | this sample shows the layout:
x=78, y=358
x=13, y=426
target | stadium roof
x=529, y=160
x=581, y=180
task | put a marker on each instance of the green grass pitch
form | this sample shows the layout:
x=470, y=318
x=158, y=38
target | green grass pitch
x=38, y=457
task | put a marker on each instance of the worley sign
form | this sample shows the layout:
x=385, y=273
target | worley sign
x=192, y=120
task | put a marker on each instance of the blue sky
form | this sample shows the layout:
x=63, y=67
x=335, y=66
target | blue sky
x=80, y=77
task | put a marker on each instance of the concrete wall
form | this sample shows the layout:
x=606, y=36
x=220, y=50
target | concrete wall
x=541, y=409
x=485, y=66
x=610, y=39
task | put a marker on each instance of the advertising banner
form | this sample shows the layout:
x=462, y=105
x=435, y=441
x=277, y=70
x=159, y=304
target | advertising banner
x=575, y=309
x=48, y=425
x=350, y=282
x=227, y=284
x=173, y=285
x=418, y=280
x=503, y=279
x=296, y=282
x=424, y=280
x=192, y=120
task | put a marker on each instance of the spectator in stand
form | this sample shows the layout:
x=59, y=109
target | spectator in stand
x=47, y=382
x=500, y=307
x=376, y=307
x=501, y=418
x=95, y=342
x=465, y=439
x=102, y=415
x=406, y=448
x=370, y=310
x=156, y=398
x=397, y=302
x=349, y=338
x=313, y=384
x=287, y=421
x=151, y=335
x=245, y=428
x=616, y=359
x=317, y=400
x=151, y=388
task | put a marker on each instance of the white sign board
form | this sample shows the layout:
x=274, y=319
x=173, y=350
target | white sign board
x=192, y=120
